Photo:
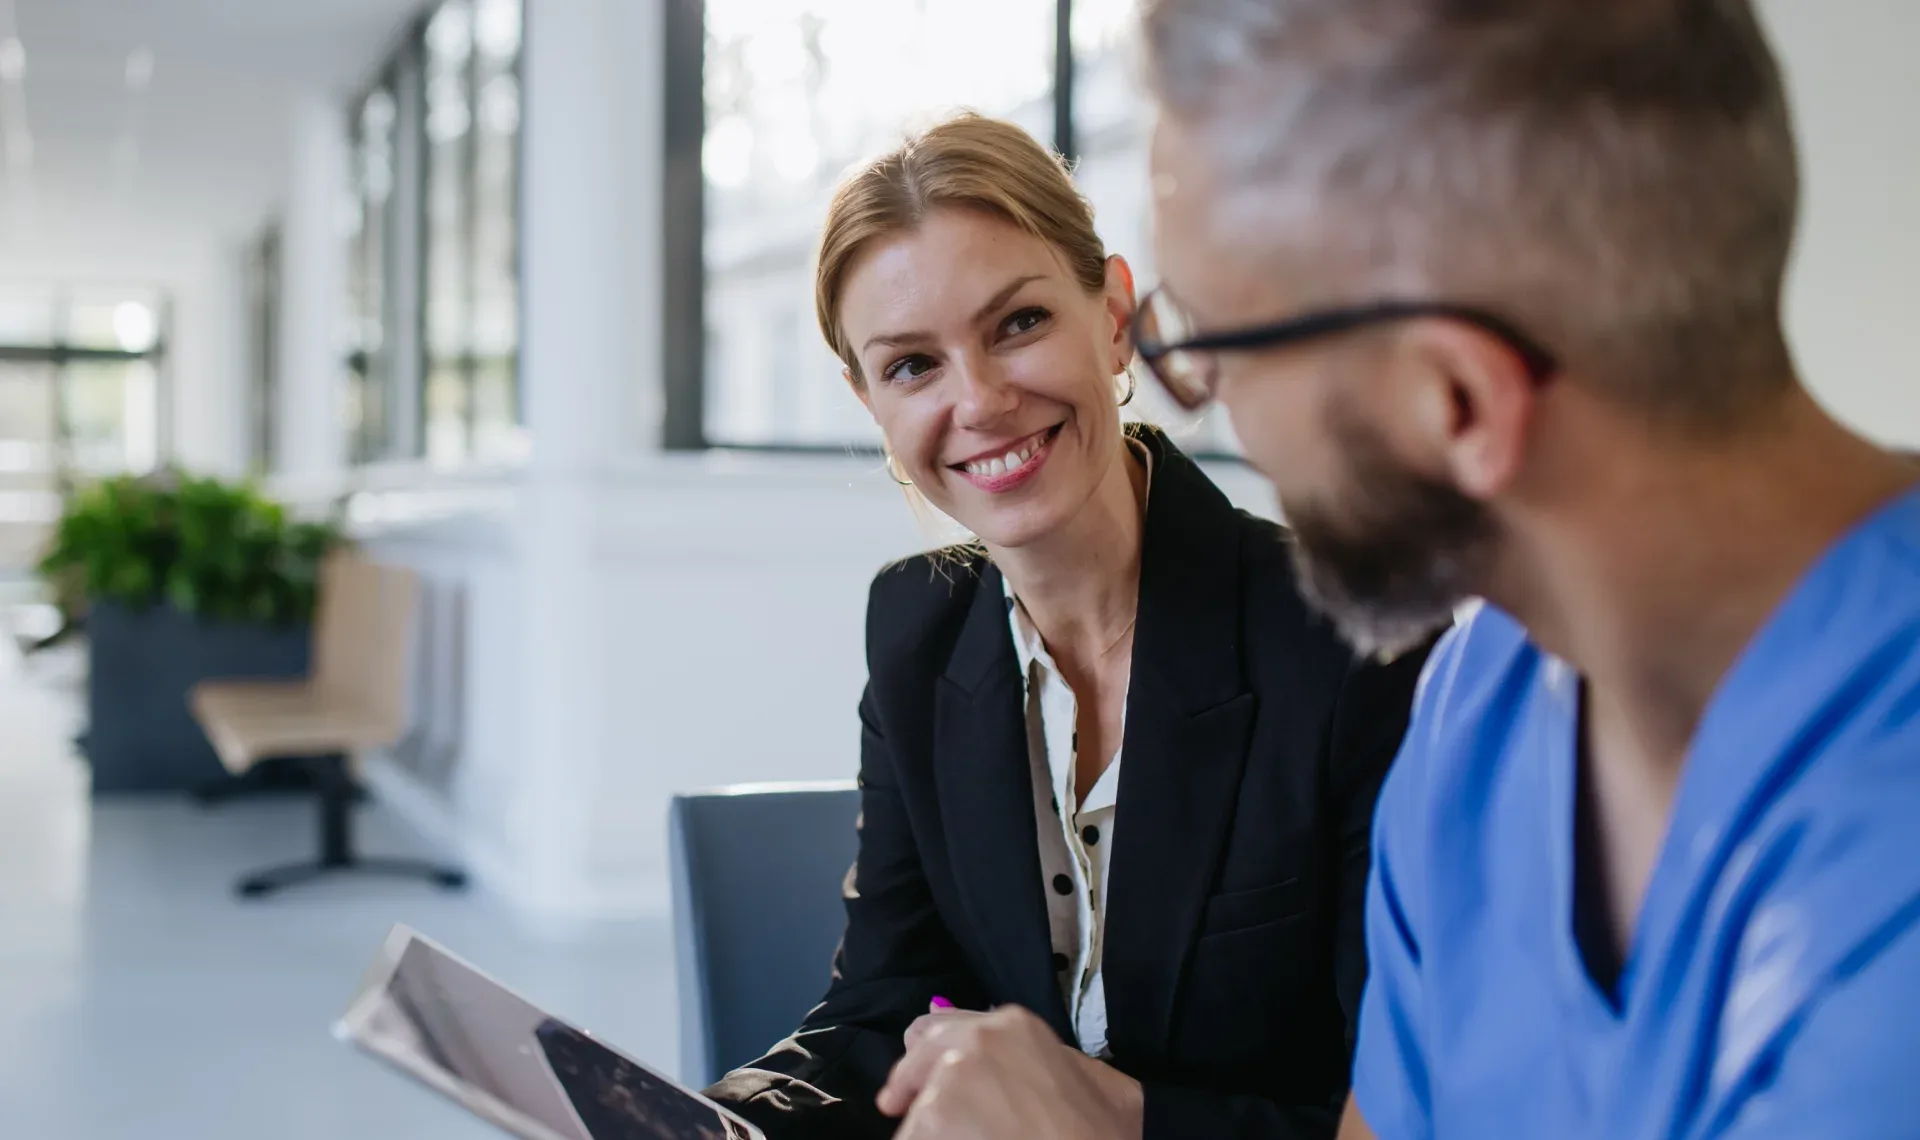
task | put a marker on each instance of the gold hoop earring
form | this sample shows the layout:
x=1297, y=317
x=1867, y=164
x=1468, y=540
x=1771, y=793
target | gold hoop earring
x=891, y=473
x=1131, y=385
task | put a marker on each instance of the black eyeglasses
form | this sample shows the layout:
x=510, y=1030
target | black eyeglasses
x=1188, y=367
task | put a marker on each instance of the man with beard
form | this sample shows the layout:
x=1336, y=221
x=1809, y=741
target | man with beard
x=1492, y=292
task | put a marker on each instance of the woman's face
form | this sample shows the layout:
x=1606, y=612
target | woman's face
x=990, y=370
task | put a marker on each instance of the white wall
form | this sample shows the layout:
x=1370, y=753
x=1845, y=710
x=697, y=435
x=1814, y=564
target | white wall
x=1854, y=295
x=725, y=645
x=210, y=366
x=735, y=635
x=728, y=597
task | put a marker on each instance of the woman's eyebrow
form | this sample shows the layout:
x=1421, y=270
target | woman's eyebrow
x=899, y=339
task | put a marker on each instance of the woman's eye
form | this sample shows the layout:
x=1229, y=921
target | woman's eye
x=909, y=368
x=1025, y=321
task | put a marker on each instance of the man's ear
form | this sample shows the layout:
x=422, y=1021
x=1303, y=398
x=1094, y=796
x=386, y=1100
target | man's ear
x=1478, y=403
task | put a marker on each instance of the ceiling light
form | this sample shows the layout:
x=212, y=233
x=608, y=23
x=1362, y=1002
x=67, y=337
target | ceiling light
x=497, y=28
x=450, y=34
x=134, y=326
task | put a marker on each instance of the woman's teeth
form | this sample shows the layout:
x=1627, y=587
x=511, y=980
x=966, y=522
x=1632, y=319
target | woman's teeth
x=1011, y=461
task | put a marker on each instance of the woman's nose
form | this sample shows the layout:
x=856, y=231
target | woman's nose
x=983, y=394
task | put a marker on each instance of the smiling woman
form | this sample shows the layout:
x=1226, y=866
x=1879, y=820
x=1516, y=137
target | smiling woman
x=1115, y=603
x=980, y=321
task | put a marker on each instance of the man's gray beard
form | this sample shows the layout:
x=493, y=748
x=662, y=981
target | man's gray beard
x=1375, y=628
x=1390, y=556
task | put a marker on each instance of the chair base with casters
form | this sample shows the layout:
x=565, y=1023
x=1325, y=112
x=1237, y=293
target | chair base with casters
x=337, y=793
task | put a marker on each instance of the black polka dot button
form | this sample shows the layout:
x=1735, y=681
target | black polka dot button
x=1062, y=885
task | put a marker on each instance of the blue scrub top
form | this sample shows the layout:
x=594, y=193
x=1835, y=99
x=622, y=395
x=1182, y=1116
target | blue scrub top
x=1772, y=987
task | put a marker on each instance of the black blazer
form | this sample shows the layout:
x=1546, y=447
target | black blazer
x=1254, y=747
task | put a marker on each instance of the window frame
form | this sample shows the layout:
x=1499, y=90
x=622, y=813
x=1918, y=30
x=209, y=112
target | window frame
x=683, y=246
x=408, y=278
x=58, y=350
x=684, y=231
x=359, y=367
x=403, y=254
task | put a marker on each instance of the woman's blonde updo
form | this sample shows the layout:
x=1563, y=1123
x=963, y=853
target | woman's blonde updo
x=967, y=162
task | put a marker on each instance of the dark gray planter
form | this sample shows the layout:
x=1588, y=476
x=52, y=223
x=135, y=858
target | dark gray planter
x=140, y=736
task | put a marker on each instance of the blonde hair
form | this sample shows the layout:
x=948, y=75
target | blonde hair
x=968, y=162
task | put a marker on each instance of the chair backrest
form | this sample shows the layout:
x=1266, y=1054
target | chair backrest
x=361, y=638
x=757, y=874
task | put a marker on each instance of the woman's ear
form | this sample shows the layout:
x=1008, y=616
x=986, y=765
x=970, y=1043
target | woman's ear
x=859, y=391
x=1120, y=306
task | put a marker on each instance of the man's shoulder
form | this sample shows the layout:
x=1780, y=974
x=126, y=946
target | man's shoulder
x=1819, y=903
x=1823, y=905
x=1838, y=850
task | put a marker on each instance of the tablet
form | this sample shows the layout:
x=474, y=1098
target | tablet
x=464, y=1035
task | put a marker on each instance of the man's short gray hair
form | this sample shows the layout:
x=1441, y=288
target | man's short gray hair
x=1617, y=177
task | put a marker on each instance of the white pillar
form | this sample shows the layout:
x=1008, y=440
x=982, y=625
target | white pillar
x=590, y=270
x=208, y=370
x=312, y=440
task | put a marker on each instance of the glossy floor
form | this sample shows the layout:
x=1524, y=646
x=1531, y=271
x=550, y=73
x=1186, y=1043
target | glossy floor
x=139, y=998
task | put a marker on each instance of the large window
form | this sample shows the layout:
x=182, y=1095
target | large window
x=82, y=373
x=472, y=328
x=797, y=90
x=434, y=306
x=263, y=348
x=81, y=396
x=372, y=391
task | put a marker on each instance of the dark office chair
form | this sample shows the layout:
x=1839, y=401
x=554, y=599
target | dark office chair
x=757, y=872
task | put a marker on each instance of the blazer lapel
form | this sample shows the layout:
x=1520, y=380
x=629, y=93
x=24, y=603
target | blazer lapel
x=986, y=803
x=1189, y=716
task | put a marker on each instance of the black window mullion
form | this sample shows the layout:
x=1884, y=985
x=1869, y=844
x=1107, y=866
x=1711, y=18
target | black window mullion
x=1065, y=139
x=422, y=239
x=516, y=194
x=389, y=445
x=470, y=239
x=683, y=229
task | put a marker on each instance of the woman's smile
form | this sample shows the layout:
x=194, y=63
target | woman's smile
x=999, y=470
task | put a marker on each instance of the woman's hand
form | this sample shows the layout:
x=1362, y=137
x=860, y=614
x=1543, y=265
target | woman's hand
x=943, y=1012
x=1005, y=1076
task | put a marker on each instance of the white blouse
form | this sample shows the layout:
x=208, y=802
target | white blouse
x=1076, y=837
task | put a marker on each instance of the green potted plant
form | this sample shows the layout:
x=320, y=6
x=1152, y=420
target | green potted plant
x=181, y=579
